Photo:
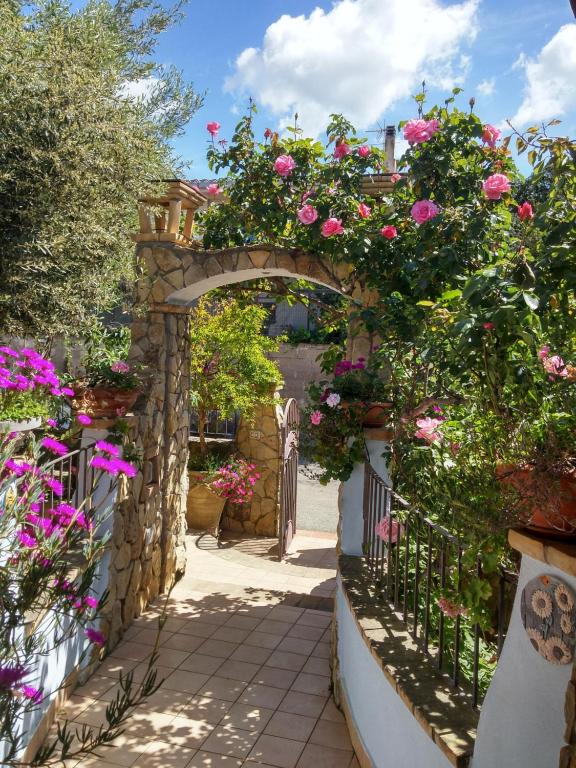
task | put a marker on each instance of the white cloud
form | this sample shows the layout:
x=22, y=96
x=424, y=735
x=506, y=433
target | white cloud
x=139, y=89
x=550, y=79
x=486, y=87
x=358, y=58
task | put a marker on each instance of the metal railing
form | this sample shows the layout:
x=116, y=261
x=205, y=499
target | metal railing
x=217, y=426
x=412, y=560
x=77, y=476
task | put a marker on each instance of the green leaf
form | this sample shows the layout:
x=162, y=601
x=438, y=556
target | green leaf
x=531, y=300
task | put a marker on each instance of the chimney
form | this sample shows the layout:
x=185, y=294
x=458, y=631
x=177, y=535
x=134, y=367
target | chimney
x=389, y=145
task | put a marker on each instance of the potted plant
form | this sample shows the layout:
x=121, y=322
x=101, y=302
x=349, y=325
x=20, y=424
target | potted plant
x=340, y=409
x=109, y=386
x=29, y=388
x=215, y=479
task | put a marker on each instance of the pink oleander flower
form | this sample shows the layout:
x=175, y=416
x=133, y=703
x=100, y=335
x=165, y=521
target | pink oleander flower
x=95, y=637
x=110, y=448
x=332, y=226
x=525, y=212
x=488, y=326
x=83, y=419
x=333, y=399
x=54, y=446
x=307, y=214
x=341, y=150
x=364, y=211
x=213, y=189
x=490, y=135
x=316, y=417
x=395, y=177
x=29, y=692
x=419, y=131
x=364, y=150
x=427, y=429
x=495, y=186
x=213, y=128
x=450, y=608
x=424, y=210
x=389, y=232
x=120, y=367
x=284, y=165
x=555, y=366
x=386, y=532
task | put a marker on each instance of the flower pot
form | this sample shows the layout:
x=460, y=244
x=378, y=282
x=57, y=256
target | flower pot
x=104, y=402
x=204, y=507
x=26, y=425
x=547, y=503
x=372, y=415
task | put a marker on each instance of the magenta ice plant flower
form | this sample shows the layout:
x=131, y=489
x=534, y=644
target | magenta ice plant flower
x=32, y=693
x=54, y=446
x=95, y=637
x=83, y=419
x=110, y=448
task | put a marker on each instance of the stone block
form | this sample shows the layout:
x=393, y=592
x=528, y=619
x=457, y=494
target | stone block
x=285, y=261
x=259, y=258
x=176, y=279
x=166, y=260
x=122, y=557
x=194, y=274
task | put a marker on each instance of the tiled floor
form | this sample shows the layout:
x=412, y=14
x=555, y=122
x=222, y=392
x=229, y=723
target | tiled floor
x=245, y=668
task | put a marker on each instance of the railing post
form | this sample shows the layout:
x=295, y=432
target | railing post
x=351, y=496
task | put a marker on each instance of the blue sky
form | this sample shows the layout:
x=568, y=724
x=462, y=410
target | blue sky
x=366, y=57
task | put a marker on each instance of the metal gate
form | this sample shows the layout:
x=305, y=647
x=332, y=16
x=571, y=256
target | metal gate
x=289, y=476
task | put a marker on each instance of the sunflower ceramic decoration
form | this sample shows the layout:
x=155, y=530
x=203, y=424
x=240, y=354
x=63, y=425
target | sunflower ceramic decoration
x=548, y=611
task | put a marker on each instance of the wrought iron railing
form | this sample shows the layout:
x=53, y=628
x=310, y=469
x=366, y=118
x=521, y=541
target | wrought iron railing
x=412, y=560
x=216, y=426
x=76, y=474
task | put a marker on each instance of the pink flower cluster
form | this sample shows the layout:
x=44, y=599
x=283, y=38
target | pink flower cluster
x=490, y=135
x=427, y=429
x=236, y=481
x=424, y=210
x=342, y=149
x=26, y=371
x=419, y=131
x=388, y=532
x=345, y=366
x=495, y=186
x=450, y=608
x=553, y=364
x=120, y=367
x=284, y=165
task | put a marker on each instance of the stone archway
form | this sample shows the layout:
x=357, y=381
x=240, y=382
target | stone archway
x=173, y=272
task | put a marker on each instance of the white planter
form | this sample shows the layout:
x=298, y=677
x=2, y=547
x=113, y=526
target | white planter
x=21, y=426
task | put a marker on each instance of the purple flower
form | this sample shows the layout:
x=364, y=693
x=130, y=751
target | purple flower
x=120, y=367
x=109, y=448
x=32, y=693
x=125, y=468
x=54, y=446
x=26, y=540
x=11, y=675
x=52, y=423
x=99, y=462
x=95, y=637
x=55, y=486
x=90, y=602
x=83, y=419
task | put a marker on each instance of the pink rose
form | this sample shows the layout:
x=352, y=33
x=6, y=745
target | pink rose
x=424, y=210
x=284, y=165
x=364, y=150
x=555, y=365
x=490, y=135
x=427, y=429
x=386, y=532
x=341, y=150
x=488, y=326
x=331, y=227
x=450, y=608
x=213, y=128
x=213, y=189
x=495, y=186
x=389, y=232
x=307, y=214
x=364, y=211
x=419, y=131
x=316, y=417
x=543, y=352
x=525, y=212
x=395, y=177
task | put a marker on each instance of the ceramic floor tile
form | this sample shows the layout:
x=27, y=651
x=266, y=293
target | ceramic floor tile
x=311, y=619
x=317, y=666
x=211, y=760
x=316, y=684
x=222, y=688
x=331, y=734
x=287, y=660
x=247, y=717
x=187, y=682
x=166, y=700
x=263, y=640
x=231, y=634
x=219, y=648
x=279, y=678
x=188, y=732
x=238, y=670
x=243, y=622
x=206, y=708
x=198, y=628
x=199, y=662
x=331, y=712
x=322, y=651
x=252, y=654
x=262, y=696
x=290, y=726
x=274, y=627
x=233, y=742
x=315, y=756
x=273, y=750
x=305, y=632
x=169, y=657
x=297, y=645
x=181, y=642
x=161, y=754
x=303, y=704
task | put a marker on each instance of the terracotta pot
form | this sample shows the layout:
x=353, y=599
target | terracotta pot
x=204, y=507
x=547, y=504
x=373, y=415
x=104, y=402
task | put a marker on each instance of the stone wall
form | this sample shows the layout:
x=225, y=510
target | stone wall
x=299, y=366
x=259, y=439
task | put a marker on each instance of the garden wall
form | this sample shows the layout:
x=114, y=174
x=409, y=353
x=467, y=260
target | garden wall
x=299, y=366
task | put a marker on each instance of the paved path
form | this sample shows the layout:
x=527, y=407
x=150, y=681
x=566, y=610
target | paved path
x=245, y=664
x=317, y=505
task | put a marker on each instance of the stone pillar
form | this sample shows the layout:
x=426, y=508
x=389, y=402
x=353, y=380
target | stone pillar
x=351, y=494
x=259, y=440
x=361, y=342
x=523, y=721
